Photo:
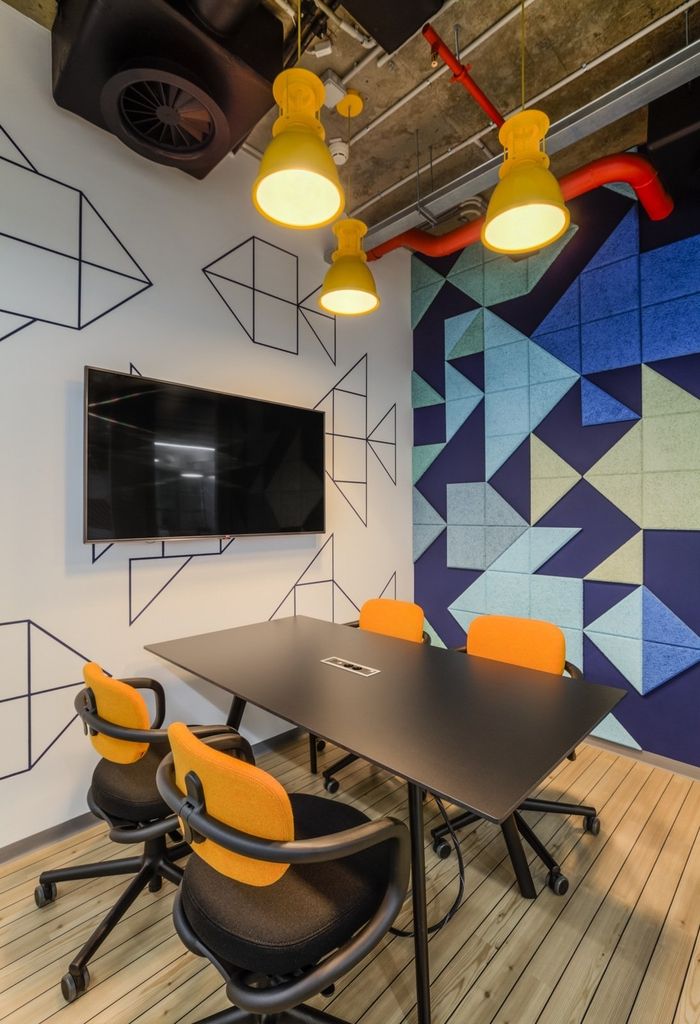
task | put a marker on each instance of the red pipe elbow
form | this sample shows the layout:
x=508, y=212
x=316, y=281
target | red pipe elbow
x=623, y=167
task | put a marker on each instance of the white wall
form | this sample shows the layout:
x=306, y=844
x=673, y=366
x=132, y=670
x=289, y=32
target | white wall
x=178, y=329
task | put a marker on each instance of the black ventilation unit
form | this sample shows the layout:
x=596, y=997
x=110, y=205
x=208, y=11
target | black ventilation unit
x=391, y=24
x=182, y=83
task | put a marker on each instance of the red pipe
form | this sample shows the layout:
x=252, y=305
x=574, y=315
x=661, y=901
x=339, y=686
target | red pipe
x=625, y=167
x=460, y=73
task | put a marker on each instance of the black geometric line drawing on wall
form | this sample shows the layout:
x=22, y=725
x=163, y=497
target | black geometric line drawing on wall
x=258, y=282
x=62, y=262
x=317, y=593
x=98, y=550
x=34, y=709
x=348, y=439
x=390, y=588
x=137, y=604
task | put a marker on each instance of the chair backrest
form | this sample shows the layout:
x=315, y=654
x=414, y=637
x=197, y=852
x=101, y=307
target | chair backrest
x=237, y=794
x=530, y=643
x=121, y=704
x=401, y=619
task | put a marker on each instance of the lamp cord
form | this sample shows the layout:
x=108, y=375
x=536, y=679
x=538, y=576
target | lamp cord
x=349, y=172
x=522, y=54
x=298, y=31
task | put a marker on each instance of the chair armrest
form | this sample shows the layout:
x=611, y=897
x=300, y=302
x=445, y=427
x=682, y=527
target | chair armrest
x=226, y=738
x=91, y=720
x=144, y=683
x=126, y=832
x=573, y=670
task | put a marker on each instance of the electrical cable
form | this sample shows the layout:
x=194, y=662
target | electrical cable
x=522, y=54
x=433, y=929
x=298, y=31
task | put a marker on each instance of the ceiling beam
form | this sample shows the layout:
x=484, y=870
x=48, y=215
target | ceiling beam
x=661, y=78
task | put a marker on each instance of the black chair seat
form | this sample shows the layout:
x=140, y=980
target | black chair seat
x=309, y=912
x=129, y=791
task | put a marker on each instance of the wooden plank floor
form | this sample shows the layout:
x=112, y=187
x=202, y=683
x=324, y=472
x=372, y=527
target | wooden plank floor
x=622, y=946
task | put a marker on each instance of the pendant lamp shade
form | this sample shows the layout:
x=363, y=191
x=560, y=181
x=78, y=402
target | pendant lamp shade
x=348, y=287
x=298, y=184
x=526, y=211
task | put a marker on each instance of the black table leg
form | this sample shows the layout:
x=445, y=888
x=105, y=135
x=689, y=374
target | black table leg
x=236, y=713
x=518, y=858
x=420, y=914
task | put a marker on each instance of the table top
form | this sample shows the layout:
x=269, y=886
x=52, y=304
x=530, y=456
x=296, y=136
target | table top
x=478, y=732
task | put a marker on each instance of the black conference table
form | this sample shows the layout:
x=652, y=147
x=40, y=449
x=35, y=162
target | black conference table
x=479, y=733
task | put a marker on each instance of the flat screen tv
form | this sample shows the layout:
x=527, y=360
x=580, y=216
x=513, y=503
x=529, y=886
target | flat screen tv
x=166, y=461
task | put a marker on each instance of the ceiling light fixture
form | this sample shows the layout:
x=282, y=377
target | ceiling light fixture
x=348, y=287
x=527, y=210
x=298, y=185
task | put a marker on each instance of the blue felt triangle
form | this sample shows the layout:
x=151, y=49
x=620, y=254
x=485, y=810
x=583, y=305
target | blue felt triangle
x=459, y=386
x=624, y=619
x=423, y=512
x=457, y=412
x=624, y=241
x=597, y=406
x=662, y=626
x=423, y=536
x=564, y=313
x=662, y=662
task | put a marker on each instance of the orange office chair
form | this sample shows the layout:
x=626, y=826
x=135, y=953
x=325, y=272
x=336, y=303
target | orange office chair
x=401, y=619
x=282, y=894
x=528, y=643
x=124, y=794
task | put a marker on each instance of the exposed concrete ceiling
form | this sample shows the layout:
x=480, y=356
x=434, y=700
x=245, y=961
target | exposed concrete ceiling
x=562, y=36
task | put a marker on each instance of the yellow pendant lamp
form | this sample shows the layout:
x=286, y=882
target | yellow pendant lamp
x=298, y=184
x=348, y=287
x=527, y=209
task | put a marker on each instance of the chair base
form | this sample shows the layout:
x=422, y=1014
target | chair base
x=156, y=863
x=330, y=783
x=555, y=879
x=299, y=1015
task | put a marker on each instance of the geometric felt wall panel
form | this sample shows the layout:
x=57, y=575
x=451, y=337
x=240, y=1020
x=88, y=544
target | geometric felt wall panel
x=593, y=453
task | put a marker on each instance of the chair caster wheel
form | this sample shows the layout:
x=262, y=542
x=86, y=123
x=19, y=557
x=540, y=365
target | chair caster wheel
x=442, y=848
x=328, y=992
x=45, y=893
x=558, y=883
x=572, y=755
x=593, y=825
x=73, y=985
x=331, y=786
x=155, y=884
x=320, y=745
